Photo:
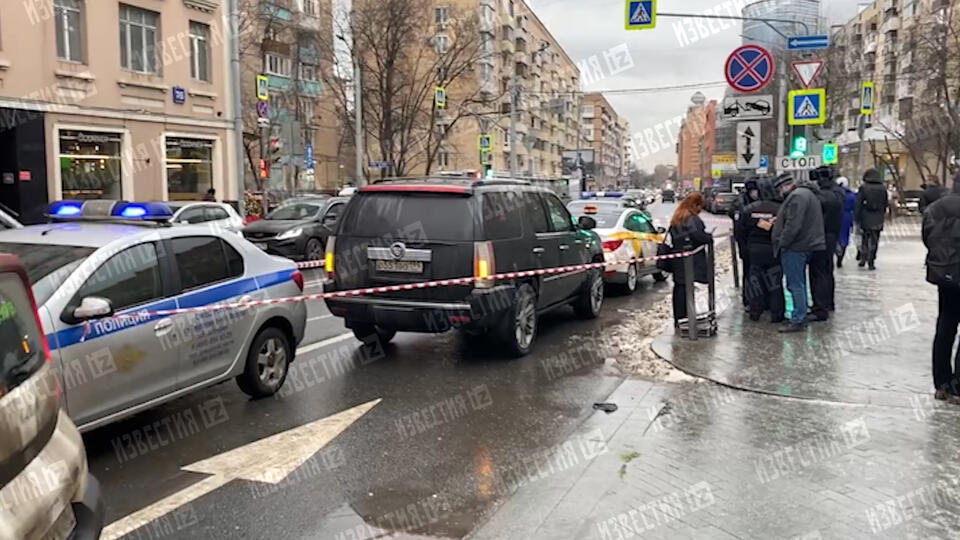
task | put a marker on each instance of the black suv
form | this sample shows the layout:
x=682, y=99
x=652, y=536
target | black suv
x=406, y=232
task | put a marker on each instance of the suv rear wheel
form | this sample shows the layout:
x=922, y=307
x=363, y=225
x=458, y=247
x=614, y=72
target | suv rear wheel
x=268, y=362
x=519, y=328
x=590, y=301
x=370, y=332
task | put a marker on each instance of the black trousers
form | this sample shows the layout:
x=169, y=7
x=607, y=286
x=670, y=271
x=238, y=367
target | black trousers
x=869, y=240
x=745, y=257
x=822, y=283
x=764, y=290
x=679, y=302
x=944, y=373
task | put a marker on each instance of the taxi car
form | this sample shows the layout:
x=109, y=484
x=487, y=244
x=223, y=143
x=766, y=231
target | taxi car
x=101, y=259
x=626, y=233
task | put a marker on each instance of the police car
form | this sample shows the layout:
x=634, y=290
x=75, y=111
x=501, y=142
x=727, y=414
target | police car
x=99, y=270
x=627, y=232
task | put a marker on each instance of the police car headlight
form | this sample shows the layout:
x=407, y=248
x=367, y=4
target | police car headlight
x=292, y=233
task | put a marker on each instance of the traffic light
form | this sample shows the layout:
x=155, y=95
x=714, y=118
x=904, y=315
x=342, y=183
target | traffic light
x=276, y=151
x=264, y=169
x=799, y=148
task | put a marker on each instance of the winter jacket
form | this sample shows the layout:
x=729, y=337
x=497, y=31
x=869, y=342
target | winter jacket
x=691, y=235
x=831, y=203
x=735, y=213
x=799, y=225
x=941, y=235
x=849, y=203
x=758, y=240
x=871, y=207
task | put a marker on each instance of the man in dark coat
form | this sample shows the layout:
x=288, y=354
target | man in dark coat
x=871, y=206
x=931, y=194
x=822, y=284
x=941, y=235
x=750, y=195
x=764, y=285
x=797, y=234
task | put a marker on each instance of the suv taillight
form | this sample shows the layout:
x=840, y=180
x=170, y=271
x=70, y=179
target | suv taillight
x=328, y=256
x=297, y=278
x=483, y=264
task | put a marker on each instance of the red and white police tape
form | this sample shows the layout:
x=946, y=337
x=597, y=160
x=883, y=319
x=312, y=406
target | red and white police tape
x=403, y=287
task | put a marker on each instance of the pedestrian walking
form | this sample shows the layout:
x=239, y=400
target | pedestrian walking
x=822, y=284
x=764, y=285
x=797, y=234
x=849, y=203
x=688, y=232
x=750, y=195
x=893, y=201
x=941, y=235
x=871, y=204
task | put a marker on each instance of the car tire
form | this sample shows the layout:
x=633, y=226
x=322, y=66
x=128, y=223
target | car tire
x=268, y=362
x=590, y=302
x=369, y=333
x=659, y=277
x=633, y=280
x=315, y=250
x=518, y=330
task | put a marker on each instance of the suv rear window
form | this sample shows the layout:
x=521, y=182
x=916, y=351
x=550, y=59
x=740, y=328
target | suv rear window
x=21, y=348
x=424, y=217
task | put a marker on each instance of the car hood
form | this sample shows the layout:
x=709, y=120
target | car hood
x=274, y=225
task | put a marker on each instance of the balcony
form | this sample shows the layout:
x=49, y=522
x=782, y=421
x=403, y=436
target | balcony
x=521, y=44
x=891, y=23
x=507, y=45
x=487, y=25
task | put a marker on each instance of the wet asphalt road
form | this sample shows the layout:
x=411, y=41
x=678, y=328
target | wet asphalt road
x=454, y=415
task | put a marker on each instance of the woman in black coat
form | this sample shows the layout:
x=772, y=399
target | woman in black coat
x=688, y=232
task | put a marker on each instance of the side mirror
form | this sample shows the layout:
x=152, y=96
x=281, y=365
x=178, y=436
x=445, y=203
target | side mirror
x=661, y=230
x=93, y=307
x=586, y=223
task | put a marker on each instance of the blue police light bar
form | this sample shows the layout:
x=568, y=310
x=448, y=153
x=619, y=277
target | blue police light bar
x=65, y=208
x=107, y=210
x=147, y=211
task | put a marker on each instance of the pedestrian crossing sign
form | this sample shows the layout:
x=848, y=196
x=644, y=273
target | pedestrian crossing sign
x=641, y=14
x=808, y=107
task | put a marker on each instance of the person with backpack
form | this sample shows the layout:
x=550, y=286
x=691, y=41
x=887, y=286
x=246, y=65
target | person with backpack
x=941, y=236
x=764, y=284
x=871, y=206
x=687, y=232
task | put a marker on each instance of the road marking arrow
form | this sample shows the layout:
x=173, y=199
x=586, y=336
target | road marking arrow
x=268, y=460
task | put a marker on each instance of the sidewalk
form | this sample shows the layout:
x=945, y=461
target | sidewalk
x=835, y=436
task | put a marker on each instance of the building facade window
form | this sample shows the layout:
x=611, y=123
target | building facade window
x=443, y=159
x=69, y=25
x=90, y=164
x=307, y=111
x=138, y=39
x=310, y=8
x=276, y=65
x=440, y=42
x=308, y=72
x=199, y=51
x=189, y=168
x=441, y=14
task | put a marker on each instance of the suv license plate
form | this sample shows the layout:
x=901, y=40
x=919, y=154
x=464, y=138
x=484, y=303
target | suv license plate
x=406, y=267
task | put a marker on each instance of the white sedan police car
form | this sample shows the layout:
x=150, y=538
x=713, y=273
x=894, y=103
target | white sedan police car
x=100, y=270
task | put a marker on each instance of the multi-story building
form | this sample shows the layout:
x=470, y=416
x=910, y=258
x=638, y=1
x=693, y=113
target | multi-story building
x=627, y=160
x=604, y=133
x=299, y=146
x=522, y=52
x=696, y=141
x=114, y=99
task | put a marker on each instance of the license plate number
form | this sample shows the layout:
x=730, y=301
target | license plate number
x=406, y=267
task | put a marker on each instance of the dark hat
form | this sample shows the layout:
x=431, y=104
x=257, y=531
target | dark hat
x=872, y=175
x=752, y=183
x=784, y=178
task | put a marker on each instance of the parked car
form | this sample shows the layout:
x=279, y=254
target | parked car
x=625, y=234
x=723, y=202
x=7, y=221
x=214, y=214
x=46, y=488
x=104, y=259
x=298, y=229
x=668, y=195
x=410, y=231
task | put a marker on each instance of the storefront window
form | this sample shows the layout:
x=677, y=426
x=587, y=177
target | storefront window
x=90, y=165
x=189, y=168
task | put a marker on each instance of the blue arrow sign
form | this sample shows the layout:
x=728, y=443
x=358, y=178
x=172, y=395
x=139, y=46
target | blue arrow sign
x=808, y=43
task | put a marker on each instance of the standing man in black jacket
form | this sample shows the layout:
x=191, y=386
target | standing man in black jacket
x=941, y=235
x=869, y=212
x=822, y=284
x=764, y=284
x=750, y=195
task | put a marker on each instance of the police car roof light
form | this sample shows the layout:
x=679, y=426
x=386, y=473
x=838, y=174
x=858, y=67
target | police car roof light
x=65, y=208
x=147, y=211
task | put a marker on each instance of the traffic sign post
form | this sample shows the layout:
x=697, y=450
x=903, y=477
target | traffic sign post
x=440, y=97
x=867, y=98
x=748, y=145
x=831, y=153
x=808, y=43
x=747, y=107
x=641, y=15
x=749, y=68
x=764, y=167
x=807, y=107
x=263, y=87
x=485, y=142
x=807, y=71
x=805, y=163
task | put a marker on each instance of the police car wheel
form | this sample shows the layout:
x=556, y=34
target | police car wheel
x=268, y=362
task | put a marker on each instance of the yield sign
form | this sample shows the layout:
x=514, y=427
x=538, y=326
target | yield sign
x=749, y=68
x=807, y=71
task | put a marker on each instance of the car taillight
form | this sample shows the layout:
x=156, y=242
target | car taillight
x=612, y=245
x=483, y=264
x=297, y=278
x=328, y=256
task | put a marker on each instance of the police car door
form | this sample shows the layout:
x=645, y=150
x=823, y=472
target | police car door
x=126, y=361
x=211, y=271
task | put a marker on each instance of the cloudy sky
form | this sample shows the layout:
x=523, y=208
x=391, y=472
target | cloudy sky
x=592, y=33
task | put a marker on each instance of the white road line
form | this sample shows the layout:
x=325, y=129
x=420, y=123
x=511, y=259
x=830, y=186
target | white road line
x=320, y=318
x=324, y=343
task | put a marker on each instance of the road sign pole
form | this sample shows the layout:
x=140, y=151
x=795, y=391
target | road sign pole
x=782, y=108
